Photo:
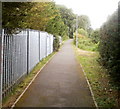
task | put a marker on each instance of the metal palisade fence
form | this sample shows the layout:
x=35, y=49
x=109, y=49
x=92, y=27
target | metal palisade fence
x=19, y=55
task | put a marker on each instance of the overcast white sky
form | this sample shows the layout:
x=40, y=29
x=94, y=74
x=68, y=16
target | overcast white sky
x=97, y=10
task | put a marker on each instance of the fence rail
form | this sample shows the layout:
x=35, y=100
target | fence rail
x=21, y=53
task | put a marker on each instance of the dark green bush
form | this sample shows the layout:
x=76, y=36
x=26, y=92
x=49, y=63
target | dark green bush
x=110, y=47
x=56, y=43
x=95, y=36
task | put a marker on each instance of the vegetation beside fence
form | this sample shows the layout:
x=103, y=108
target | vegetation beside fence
x=56, y=43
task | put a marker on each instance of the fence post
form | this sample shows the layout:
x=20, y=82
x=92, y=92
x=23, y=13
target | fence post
x=39, y=45
x=27, y=51
x=46, y=44
x=1, y=64
x=1, y=45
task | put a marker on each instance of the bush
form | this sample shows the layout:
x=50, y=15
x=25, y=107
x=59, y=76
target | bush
x=65, y=37
x=109, y=47
x=95, y=36
x=82, y=32
x=56, y=43
x=86, y=43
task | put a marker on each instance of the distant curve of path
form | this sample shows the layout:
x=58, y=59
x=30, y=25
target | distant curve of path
x=61, y=83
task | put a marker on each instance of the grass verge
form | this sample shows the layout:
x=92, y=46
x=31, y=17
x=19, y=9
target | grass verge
x=105, y=94
x=11, y=98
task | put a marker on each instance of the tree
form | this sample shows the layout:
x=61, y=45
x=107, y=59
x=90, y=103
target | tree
x=40, y=15
x=43, y=16
x=90, y=31
x=68, y=18
x=14, y=14
x=56, y=25
x=84, y=22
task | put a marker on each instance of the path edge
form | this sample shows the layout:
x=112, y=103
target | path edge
x=92, y=94
x=90, y=88
x=31, y=82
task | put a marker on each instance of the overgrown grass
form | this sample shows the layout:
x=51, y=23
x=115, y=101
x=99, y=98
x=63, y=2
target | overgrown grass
x=10, y=99
x=105, y=94
x=86, y=43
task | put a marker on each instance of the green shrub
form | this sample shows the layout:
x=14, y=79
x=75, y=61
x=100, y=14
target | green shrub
x=95, y=36
x=56, y=43
x=109, y=47
x=87, y=44
x=82, y=32
x=65, y=37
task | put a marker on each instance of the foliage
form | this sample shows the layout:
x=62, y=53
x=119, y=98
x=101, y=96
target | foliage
x=56, y=43
x=68, y=18
x=90, y=31
x=95, y=36
x=84, y=22
x=56, y=26
x=42, y=16
x=109, y=47
x=65, y=37
x=82, y=32
x=87, y=44
x=14, y=14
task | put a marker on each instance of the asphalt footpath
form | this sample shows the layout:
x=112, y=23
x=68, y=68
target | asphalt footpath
x=61, y=83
